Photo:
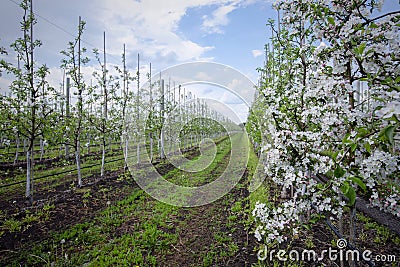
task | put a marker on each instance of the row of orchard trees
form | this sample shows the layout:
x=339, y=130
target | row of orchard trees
x=327, y=114
x=34, y=111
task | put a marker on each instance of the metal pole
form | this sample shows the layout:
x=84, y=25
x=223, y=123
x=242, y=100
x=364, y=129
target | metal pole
x=162, y=152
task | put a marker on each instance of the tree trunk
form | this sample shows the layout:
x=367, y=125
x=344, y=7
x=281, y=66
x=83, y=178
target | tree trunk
x=41, y=149
x=126, y=153
x=78, y=162
x=29, y=175
x=67, y=149
x=25, y=146
x=151, y=147
x=158, y=146
x=138, y=151
x=162, y=155
x=16, y=150
x=103, y=157
x=352, y=232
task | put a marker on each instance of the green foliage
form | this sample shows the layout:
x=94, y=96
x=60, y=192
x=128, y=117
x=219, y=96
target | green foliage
x=12, y=225
x=381, y=234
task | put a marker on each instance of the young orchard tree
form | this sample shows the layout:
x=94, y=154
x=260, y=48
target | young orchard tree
x=72, y=64
x=30, y=85
x=151, y=120
x=125, y=100
x=8, y=128
x=154, y=121
x=139, y=112
x=103, y=93
x=102, y=98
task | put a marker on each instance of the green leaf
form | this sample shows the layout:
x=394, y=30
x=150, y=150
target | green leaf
x=347, y=141
x=339, y=172
x=367, y=146
x=373, y=26
x=351, y=195
x=362, y=131
x=334, y=155
x=345, y=188
x=361, y=48
x=359, y=182
x=331, y=21
x=353, y=147
x=370, y=51
x=389, y=133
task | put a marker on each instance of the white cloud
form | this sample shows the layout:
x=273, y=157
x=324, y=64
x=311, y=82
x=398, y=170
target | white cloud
x=202, y=76
x=151, y=27
x=219, y=17
x=257, y=53
x=212, y=24
x=235, y=84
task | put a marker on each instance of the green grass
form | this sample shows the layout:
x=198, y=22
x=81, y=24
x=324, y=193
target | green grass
x=198, y=178
x=381, y=233
x=95, y=243
x=261, y=194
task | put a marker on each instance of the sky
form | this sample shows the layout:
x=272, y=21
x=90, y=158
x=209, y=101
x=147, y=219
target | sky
x=164, y=32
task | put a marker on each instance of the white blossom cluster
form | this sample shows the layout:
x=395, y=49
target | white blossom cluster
x=388, y=203
x=6, y=142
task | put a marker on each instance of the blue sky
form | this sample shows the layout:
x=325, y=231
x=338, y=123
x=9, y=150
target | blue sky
x=164, y=32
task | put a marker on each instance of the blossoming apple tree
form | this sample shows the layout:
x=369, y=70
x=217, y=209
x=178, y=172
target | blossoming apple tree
x=330, y=99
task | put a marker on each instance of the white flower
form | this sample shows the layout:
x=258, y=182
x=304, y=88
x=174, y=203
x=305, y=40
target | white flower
x=279, y=239
x=321, y=47
x=257, y=235
x=392, y=108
